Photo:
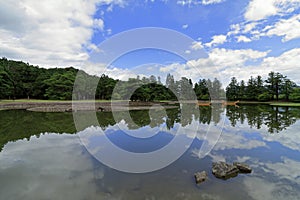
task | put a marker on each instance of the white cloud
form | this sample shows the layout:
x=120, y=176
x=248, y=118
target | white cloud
x=257, y=10
x=234, y=58
x=258, y=25
x=197, y=45
x=237, y=141
x=48, y=33
x=122, y=74
x=187, y=52
x=217, y=39
x=259, y=188
x=207, y=2
x=243, y=38
x=185, y=26
x=226, y=63
x=287, y=138
x=52, y=160
x=108, y=31
x=197, y=2
x=111, y=71
x=287, y=28
x=242, y=28
x=287, y=64
x=99, y=24
x=249, y=27
x=288, y=169
x=221, y=63
x=171, y=67
x=274, y=180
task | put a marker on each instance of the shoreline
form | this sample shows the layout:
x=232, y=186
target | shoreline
x=105, y=106
x=69, y=106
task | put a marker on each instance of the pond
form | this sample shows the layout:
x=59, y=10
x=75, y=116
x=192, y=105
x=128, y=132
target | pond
x=43, y=156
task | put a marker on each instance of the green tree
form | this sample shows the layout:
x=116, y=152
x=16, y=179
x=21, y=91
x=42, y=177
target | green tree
x=288, y=87
x=170, y=84
x=251, y=89
x=242, y=90
x=232, y=90
x=60, y=86
x=295, y=94
x=275, y=83
x=215, y=89
x=201, y=90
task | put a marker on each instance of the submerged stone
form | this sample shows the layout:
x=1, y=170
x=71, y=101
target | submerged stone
x=243, y=168
x=224, y=171
x=200, y=177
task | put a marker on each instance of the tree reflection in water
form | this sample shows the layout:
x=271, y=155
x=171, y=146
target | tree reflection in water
x=18, y=124
x=274, y=117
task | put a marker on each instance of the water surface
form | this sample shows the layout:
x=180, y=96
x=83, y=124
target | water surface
x=42, y=156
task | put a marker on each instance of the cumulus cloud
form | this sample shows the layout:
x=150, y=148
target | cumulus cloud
x=49, y=33
x=258, y=22
x=249, y=27
x=257, y=10
x=197, y=2
x=286, y=63
x=99, y=24
x=221, y=63
x=226, y=63
x=243, y=38
x=287, y=28
x=244, y=28
x=217, y=39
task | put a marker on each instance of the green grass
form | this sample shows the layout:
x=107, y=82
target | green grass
x=272, y=103
x=50, y=101
x=285, y=104
x=30, y=101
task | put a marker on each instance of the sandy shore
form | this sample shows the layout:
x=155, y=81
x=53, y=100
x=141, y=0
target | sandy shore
x=68, y=106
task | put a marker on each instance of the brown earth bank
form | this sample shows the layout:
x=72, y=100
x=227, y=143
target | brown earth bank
x=69, y=106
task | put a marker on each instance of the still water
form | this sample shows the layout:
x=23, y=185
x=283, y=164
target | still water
x=43, y=157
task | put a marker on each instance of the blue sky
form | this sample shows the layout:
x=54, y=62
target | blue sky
x=241, y=38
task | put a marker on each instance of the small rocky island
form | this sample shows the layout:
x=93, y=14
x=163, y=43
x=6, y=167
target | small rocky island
x=223, y=170
x=200, y=177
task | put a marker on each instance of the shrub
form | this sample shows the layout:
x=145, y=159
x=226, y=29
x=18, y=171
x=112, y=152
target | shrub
x=264, y=97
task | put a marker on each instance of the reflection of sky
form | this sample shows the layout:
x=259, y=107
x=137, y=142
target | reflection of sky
x=58, y=166
x=49, y=167
x=273, y=157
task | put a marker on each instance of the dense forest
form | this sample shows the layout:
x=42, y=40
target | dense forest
x=275, y=87
x=19, y=80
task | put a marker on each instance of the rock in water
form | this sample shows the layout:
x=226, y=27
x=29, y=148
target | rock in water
x=243, y=168
x=200, y=176
x=224, y=171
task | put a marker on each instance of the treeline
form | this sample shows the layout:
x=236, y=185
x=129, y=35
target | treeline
x=275, y=87
x=19, y=80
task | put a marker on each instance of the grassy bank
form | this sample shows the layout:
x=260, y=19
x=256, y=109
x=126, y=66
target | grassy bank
x=285, y=104
x=49, y=101
x=272, y=103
